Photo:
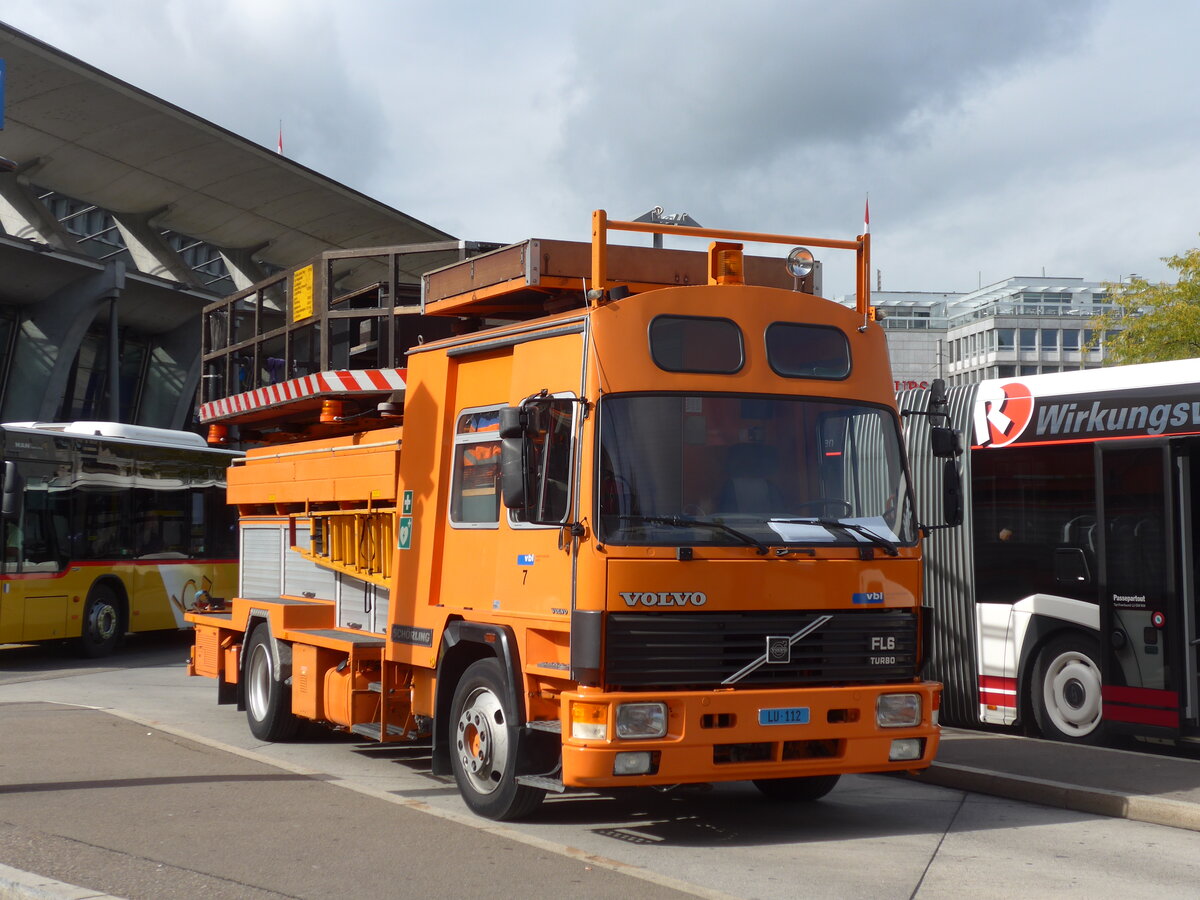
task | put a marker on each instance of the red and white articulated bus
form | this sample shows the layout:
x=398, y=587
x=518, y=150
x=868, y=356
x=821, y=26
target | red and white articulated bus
x=1067, y=602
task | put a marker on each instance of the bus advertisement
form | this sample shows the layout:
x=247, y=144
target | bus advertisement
x=110, y=529
x=1067, y=602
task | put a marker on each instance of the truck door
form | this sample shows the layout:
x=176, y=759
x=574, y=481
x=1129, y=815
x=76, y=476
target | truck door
x=1141, y=615
x=534, y=563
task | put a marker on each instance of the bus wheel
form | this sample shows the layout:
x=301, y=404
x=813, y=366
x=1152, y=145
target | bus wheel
x=1067, y=704
x=268, y=699
x=483, y=746
x=101, y=623
x=811, y=787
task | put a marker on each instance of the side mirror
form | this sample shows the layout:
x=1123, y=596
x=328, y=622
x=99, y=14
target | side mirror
x=937, y=394
x=513, y=422
x=952, y=496
x=944, y=442
x=513, y=467
x=14, y=487
x=516, y=423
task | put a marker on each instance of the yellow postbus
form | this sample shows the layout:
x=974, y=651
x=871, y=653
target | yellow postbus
x=109, y=529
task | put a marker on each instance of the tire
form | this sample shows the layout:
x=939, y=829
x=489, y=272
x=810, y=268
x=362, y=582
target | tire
x=483, y=746
x=103, y=623
x=268, y=699
x=1066, y=691
x=807, y=788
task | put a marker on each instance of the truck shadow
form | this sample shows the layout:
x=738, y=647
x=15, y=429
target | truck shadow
x=735, y=813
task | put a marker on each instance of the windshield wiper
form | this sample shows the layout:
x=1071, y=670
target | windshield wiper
x=685, y=522
x=889, y=547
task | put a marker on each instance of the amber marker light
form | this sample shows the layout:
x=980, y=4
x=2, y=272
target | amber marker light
x=331, y=411
x=589, y=721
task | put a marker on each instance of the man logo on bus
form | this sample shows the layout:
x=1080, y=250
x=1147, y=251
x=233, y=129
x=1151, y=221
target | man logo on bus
x=1001, y=413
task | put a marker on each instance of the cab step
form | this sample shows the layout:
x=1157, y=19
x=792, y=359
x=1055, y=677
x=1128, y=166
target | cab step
x=372, y=730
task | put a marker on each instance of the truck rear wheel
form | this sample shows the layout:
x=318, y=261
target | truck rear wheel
x=268, y=699
x=483, y=745
x=810, y=787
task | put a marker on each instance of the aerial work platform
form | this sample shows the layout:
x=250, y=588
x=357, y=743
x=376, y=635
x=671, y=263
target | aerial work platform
x=338, y=329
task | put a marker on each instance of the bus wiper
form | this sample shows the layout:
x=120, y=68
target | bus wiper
x=889, y=547
x=685, y=522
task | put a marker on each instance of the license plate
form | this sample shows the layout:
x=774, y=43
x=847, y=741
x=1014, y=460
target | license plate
x=786, y=715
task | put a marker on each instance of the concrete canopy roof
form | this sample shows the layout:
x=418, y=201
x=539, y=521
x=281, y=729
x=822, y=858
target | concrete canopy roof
x=78, y=131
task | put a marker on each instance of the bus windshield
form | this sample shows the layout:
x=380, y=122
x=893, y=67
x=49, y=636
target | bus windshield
x=758, y=471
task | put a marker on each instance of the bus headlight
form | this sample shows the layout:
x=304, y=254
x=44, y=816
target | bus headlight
x=898, y=710
x=641, y=720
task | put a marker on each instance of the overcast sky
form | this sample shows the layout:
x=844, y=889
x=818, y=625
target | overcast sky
x=993, y=138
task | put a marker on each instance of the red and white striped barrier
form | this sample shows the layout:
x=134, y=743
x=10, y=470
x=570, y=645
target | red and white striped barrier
x=321, y=385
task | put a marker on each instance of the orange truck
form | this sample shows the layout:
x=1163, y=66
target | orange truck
x=627, y=516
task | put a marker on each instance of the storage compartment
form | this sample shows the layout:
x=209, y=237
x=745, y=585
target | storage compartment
x=309, y=668
x=349, y=697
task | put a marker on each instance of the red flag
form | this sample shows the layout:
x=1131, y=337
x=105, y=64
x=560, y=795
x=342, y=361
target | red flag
x=866, y=209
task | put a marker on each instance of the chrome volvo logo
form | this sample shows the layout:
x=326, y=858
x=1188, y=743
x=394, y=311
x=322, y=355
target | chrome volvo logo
x=664, y=598
x=779, y=649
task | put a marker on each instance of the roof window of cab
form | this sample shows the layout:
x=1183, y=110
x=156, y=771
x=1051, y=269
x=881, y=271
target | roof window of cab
x=795, y=350
x=697, y=344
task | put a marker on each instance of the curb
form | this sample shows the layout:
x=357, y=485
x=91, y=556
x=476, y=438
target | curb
x=18, y=885
x=1117, y=805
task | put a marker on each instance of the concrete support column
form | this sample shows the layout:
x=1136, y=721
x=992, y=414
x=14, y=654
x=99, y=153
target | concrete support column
x=48, y=340
x=172, y=379
x=23, y=215
x=243, y=268
x=151, y=253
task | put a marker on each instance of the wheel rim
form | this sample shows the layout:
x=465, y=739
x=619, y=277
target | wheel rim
x=258, y=682
x=481, y=741
x=102, y=621
x=1072, y=694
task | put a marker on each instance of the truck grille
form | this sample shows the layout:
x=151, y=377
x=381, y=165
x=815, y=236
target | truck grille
x=696, y=649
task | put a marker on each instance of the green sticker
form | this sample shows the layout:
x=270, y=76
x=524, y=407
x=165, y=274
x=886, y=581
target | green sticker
x=404, y=534
x=406, y=508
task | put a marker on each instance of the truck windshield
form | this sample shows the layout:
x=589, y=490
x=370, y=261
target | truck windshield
x=722, y=469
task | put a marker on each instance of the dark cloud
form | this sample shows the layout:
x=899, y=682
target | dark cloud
x=994, y=138
x=681, y=87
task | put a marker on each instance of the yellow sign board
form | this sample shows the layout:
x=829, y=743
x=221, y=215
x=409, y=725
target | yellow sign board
x=302, y=293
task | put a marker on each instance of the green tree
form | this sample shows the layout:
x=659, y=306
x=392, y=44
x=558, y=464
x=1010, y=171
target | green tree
x=1157, y=322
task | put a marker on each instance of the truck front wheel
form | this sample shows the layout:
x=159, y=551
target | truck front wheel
x=483, y=744
x=268, y=699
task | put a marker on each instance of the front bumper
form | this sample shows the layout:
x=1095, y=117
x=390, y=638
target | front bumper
x=716, y=736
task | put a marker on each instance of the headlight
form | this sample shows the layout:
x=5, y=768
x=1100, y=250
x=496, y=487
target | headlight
x=898, y=710
x=641, y=720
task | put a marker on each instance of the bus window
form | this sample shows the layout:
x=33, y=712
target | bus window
x=36, y=540
x=1028, y=503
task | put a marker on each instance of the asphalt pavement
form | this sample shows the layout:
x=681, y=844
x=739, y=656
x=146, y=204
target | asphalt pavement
x=126, y=802
x=91, y=773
